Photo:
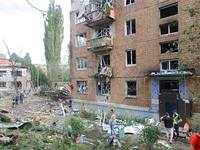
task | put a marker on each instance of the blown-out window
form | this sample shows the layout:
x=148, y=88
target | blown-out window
x=81, y=40
x=103, y=87
x=169, y=46
x=131, y=90
x=81, y=87
x=81, y=63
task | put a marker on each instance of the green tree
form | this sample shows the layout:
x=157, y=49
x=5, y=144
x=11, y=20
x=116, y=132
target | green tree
x=27, y=60
x=53, y=38
x=14, y=57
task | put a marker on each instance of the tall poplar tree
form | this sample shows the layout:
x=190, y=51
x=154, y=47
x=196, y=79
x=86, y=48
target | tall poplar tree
x=53, y=38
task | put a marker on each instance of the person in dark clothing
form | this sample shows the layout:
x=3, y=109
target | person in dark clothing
x=177, y=120
x=169, y=125
x=21, y=97
x=13, y=101
x=16, y=99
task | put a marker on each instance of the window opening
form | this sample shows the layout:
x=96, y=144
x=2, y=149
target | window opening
x=128, y=2
x=2, y=84
x=102, y=32
x=103, y=87
x=169, y=28
x=103, y=61
x=169, y=85
x=169, y=65
x=81, y=63
x=169, y=11
x=2, y=73
x=171, y=46
x=131, y=57
x=130, y=27
x=18, y=73
x=81, y=40
x=131, y=89
x=79, y=19
x=82, y=87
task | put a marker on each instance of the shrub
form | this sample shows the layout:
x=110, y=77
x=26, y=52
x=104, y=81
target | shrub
x=194, y=122
x=4, y=119
x=77, y=126
x=149, y=136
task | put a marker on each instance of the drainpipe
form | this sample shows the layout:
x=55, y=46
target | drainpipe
x=185, y=89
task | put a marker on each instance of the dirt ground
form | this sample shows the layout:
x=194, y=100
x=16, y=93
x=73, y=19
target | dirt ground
x=94, y=138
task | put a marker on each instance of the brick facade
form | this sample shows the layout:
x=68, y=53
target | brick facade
x=146, y=43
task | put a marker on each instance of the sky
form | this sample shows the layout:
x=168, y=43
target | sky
x=22, y=28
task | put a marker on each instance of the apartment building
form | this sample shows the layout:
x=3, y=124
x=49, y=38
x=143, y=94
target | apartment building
x=125, y=59
x=6, y=76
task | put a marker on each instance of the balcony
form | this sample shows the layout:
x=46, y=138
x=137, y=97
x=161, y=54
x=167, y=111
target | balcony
x=99, y=44
x=105, y=72
x=94, y=16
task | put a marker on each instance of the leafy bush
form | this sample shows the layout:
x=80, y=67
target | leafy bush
x=194, y=122
x=77, y=125
x=149, y=136
x=4, y=119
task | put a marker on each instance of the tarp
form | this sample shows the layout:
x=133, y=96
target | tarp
x=27, y=125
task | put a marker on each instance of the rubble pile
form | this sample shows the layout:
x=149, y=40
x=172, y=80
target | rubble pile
x=57, y=95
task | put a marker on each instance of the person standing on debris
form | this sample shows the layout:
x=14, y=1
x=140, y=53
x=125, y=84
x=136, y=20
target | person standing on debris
x=13, y=101
x=112, y=122
x=195, y=141
x=21, y=97
x=169, y=125
x=16, y=99
x=177, y=120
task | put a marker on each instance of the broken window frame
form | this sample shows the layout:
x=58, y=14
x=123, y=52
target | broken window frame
x=131, y=28
x=3, y=73
x=128, y=2
x=81, y=87
x=81, y=40
x=173, y=46
x=134, y=89
x=169, y=25
x=169, y=64
x=103, y=63
x=101, y=32
x=81, y=63
x=103, y=88
x=167, y=7
x=19, y=73
x=19, y=84
x=132, y=59
x=78, y=20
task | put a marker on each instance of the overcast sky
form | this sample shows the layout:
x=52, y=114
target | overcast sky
x=22, y=27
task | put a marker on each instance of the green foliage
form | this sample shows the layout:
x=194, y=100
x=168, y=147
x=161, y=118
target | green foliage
x=149, y=136
x=4, y=118
x=36, y=128
x=189, y=44
x=77, y=125
x=27, y=60
x=194, y=122
x=53, y=38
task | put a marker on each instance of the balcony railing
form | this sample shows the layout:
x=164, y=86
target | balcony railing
x=94, y=16
x=105, y=72
x=99, y=44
